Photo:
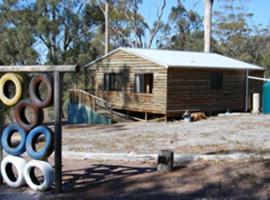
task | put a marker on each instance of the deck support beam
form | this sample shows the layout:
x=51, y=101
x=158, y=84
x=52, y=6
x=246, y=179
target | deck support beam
x=166, y=117
x=146, y=117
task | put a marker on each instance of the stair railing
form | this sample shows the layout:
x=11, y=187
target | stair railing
x=79, y=96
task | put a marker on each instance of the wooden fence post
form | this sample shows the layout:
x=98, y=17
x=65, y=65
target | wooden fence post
x=165, y=161
x=58, y=84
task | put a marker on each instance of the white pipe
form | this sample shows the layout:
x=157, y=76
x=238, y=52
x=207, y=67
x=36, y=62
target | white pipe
x=255, y=103
x=258, y=78
x=246, y=91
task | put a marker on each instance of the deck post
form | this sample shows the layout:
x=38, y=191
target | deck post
x=95, y=104
x=58, y=78
x=146, y=117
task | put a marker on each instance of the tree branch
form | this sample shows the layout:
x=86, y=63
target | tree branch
x=157, y=26
x=119, y=32
x=101, y=8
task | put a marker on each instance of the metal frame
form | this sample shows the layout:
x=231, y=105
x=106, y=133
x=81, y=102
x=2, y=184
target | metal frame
x=246, y=91
x=58, y=73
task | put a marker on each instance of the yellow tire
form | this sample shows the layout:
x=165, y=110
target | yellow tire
x=17, y=81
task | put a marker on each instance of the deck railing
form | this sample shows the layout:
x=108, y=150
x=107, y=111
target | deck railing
x=79, y=96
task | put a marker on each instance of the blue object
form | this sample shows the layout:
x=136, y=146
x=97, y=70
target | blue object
x=80, y=114
x=45, y=152
x=6, y=140
x=266, y=98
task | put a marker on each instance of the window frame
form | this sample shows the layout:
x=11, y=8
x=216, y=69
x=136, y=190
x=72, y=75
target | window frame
x=111, y=81
x=216, y=81
x=142, y=88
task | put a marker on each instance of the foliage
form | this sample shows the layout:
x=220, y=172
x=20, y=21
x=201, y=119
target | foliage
x=71, y=31
x=128, y=27
x=185, y=31
x=16, y=44
x=239, y=39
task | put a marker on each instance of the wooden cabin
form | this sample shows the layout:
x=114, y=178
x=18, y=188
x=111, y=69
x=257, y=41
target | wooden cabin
x=170, y=82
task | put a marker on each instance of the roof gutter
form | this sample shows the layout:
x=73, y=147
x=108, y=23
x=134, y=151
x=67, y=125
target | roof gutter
x=217, y=68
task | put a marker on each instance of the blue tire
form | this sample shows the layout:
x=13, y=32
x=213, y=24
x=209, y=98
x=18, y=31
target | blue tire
x=46, y=150
x=6, y=140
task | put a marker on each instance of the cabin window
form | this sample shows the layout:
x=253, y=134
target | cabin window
x=143, y=83
x=216, y=81
x=112, y=82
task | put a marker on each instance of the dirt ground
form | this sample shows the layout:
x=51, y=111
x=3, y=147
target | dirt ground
x=218, y=180
x=96, y=180
x=103, y=180
x=247, y=132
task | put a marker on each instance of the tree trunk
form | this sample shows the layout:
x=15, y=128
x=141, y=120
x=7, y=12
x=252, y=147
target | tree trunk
x=207, y=24
x=107, y=34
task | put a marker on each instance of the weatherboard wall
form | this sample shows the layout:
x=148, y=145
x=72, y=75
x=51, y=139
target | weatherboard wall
x=189, y=89
x=174, y=89
x=128, y=65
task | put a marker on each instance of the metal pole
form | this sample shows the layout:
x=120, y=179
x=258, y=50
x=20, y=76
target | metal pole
x=246, y=91
x=1, y=130
x=58, y=130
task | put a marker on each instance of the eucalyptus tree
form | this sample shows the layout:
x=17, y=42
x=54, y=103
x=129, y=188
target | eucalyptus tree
x=232, y=28
x=184, y=30
x=16, y=40
x=208, y=4
x=127, y=26
x=61, y=28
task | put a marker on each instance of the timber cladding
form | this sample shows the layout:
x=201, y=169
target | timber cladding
x=255, y=86
x=174, y=89
x=128, y=66
x=190, y=89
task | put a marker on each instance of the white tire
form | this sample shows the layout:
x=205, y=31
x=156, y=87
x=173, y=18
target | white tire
x=8, y=175
x=46, y=170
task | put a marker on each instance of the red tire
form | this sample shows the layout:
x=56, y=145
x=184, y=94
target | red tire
x=35, y=93
x=20, y=115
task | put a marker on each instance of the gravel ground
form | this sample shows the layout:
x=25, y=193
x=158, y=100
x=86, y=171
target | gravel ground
x=103, y=180
x=243, y=132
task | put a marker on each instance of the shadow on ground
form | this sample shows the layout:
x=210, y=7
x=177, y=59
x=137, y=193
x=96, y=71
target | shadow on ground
x=97, y=174
x=222, y=180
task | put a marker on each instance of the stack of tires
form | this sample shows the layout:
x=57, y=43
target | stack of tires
x=15, y=170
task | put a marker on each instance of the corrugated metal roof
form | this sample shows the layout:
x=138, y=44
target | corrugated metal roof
x=187, y=59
